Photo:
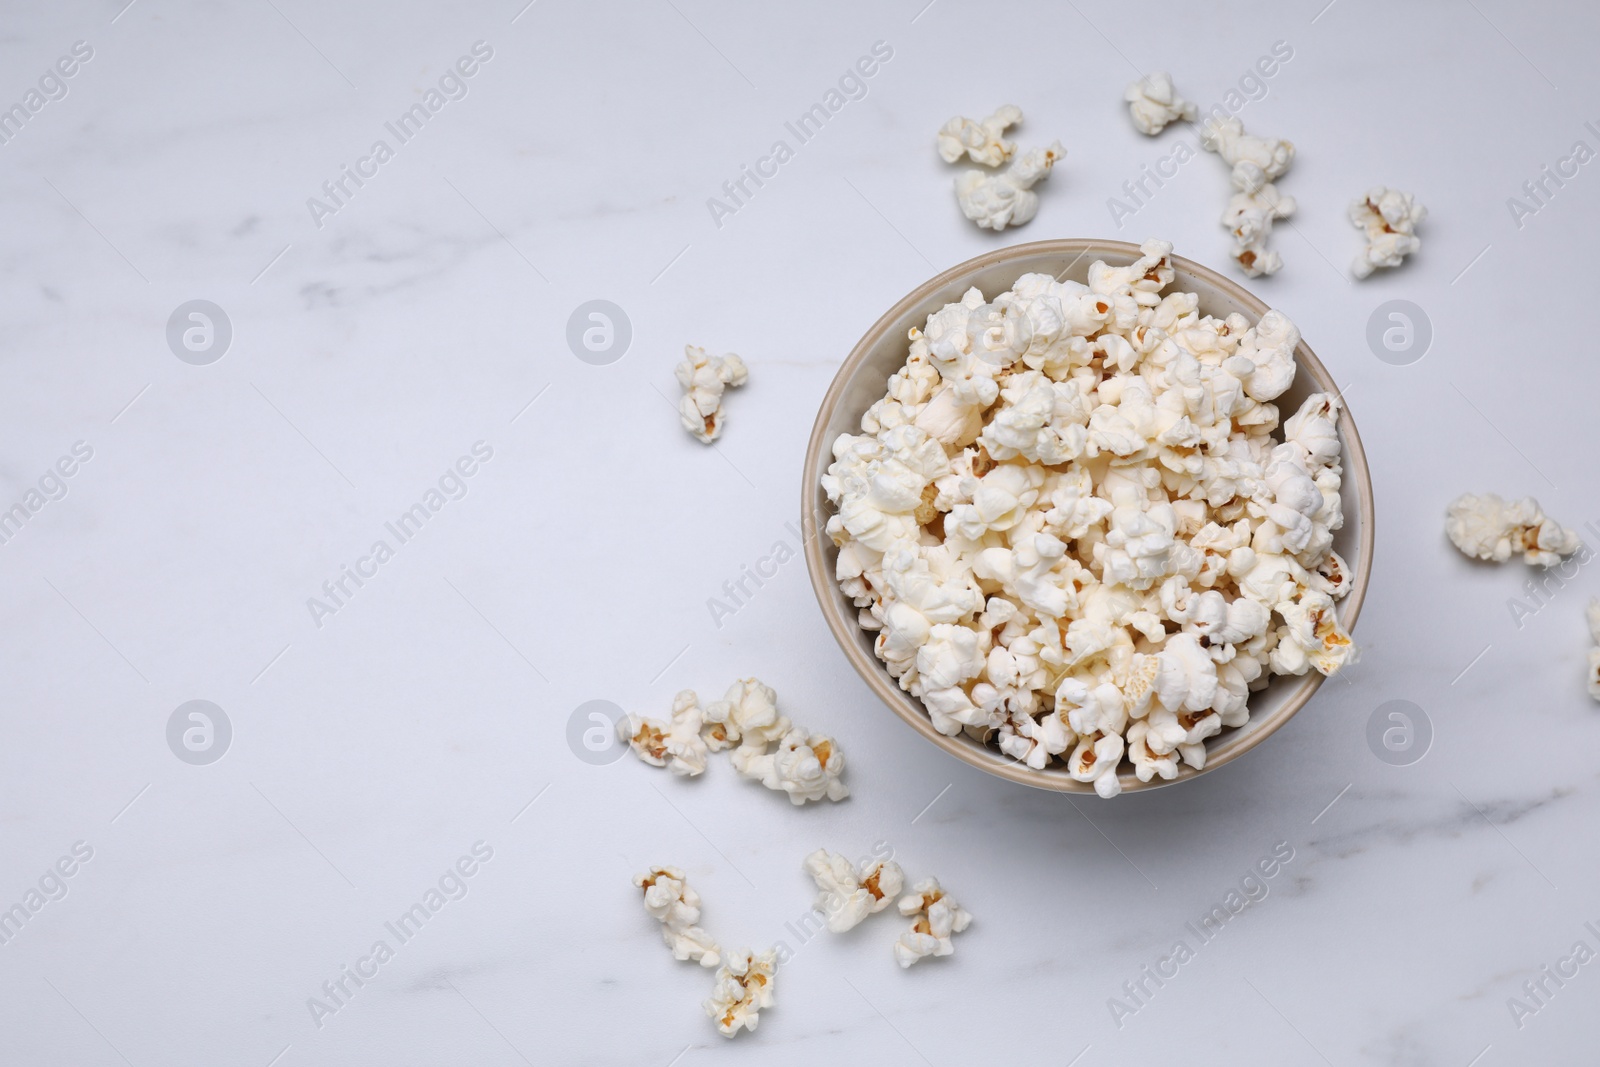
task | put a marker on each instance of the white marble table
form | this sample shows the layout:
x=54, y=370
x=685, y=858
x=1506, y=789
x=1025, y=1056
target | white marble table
x=376, y=741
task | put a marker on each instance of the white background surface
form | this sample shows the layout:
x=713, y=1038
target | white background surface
x=369, y=753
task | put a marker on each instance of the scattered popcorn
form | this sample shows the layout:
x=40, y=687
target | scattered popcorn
x=704, y=378
x=805, y=766
x=938, y=916
x=1255, y=160
x=744, y=987
x=1256, y=204
x=670, y=902
x=1389, y=219
x=766, y=746
x=995, y=201
x=746, y=714
x=1249, y=218
x=1594, y=653
x=846, y=894
x=1153, y=103
x=1078, y=528
x=980, y=140
x=1486, y=527
x=677, y=745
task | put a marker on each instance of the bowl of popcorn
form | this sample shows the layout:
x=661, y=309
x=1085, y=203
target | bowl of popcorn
x=1090, y=516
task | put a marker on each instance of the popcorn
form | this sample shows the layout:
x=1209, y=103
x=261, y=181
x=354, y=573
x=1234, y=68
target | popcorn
x=1249, y=217
x=846, y=894
x=1103, y=538
x=743, y=987
x=805, y=766
x=704, y=378
x=1594, y=653
x=937, y=917
x=1153, y=103
x=1256, y=162
x=670, y=902
x=747, y=714
x=979, y=140
x=1389, y=219
x=677, y=745
x=1486, y=527
x=995, y=201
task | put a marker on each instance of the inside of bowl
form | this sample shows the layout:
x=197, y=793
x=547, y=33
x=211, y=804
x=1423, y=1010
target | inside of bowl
x=887, y=348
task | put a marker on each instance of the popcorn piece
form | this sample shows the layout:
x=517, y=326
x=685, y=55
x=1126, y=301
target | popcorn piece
x=1256, y=162
x=670, y=901
x=807, y=767
x=1594, y=653
x=744, y=986
x=1249, y=218
x=995, y=201
x=980, y=140
x=676, y=745
x=1486, y=527
x=938, y=916
x=846, y=895
x=747, y=714
x=1153, y=103
x=704, y=378
x=1389, y=220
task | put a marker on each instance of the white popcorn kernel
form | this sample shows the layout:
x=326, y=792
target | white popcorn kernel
x=670, y=901
x=1146, y=763
x=1486, y=527
x=982, y=141
x=747, y=714
x=1269, y=346
x=744, y=986
x=1388, y=218
x=1255, y=160
x=937, y=918
x=1594, y=653
x=995, y=201
x=845, y=894
x=805, y=766
x=704, y=378
x=1153, y=103
x=1249, y=218
x=675, y=745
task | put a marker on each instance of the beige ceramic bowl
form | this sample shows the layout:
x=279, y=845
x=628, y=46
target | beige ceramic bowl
x=860, y=382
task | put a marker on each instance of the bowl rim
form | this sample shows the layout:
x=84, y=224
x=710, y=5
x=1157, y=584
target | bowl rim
x=846, y=631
